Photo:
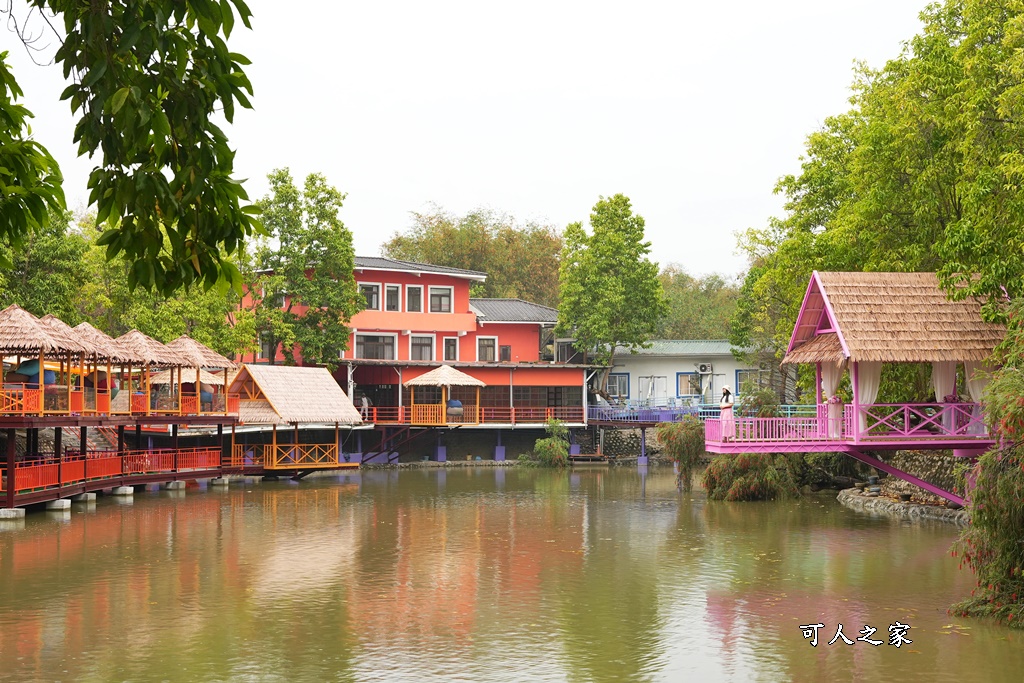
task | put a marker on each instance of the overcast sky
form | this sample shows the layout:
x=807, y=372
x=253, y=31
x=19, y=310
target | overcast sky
x=536, y=109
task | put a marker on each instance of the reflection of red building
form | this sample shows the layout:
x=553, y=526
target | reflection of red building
x=420, y=316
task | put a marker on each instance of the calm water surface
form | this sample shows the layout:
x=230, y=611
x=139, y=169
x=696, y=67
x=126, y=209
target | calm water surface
x=482, y=575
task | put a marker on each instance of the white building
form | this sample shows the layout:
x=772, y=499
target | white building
x=679, y=372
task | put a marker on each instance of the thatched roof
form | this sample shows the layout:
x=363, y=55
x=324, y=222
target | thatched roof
x=199, y=355
x=154, y=352
x=187, y=375
x=824, y=348
x=293, y=395
x=891, y=317
x=67, y=335
x=445, y=376
x=108, y=345
x=21, y=332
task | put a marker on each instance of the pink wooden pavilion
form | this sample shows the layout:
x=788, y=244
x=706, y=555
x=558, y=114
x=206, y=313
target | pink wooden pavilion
x=855, y=323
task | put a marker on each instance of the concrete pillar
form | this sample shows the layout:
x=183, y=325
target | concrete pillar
x=499, y=450
x=83, y=497
x=59, y=504
x=219, y=481
x=122, y=491
x=173, y=486
x=440, y=453
x=12, y=513
x=642, y=460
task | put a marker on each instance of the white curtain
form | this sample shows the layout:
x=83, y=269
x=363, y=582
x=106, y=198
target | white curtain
x=977, y=374
x=831, y=374
x=869, y=376
x=944, y=383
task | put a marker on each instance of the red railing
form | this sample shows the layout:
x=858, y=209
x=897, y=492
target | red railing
x=74, y=468
x=140, y=403
x=18, y=399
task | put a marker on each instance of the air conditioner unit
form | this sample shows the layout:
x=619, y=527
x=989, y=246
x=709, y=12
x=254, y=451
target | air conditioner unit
x=704, y=368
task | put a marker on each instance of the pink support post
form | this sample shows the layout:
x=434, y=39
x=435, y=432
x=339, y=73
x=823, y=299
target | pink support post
x=856, y=402
x=817, y=383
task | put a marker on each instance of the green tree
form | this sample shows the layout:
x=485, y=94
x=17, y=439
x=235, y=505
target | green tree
x=683, y=443
x=146, y=79
x=305, y=292
x=521, y=261
x=610, y=292
x=698, y=307
x=30, y=181
x=46, y=273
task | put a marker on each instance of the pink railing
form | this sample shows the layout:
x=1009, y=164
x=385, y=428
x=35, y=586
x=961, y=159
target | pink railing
x=916, y=420
x=878, y=421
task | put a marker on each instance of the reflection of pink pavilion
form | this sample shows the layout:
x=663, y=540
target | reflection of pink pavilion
x=858, y=322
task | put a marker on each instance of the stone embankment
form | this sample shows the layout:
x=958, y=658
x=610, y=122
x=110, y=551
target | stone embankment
x=859, y=500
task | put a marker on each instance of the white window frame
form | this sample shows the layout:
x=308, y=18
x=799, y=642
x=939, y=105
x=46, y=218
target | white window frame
x=451, y=299
x=407, y=289
x=689, y=376
x=444, y=341
x=259, y=347
x=478, y=340
x=433, y=345
x=618, y=376
x=355, y=345
x=380, y=293
x=384, y=299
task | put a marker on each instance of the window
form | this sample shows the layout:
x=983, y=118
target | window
x=505, y=354
x=451, y=348
x=267, y=347
x=688, y=384
x=618, y=385
x=421, y=348
x=750, y=380
x=440, y=299
x=372, y=294
x=376, y=347
x=393, y=298
x=413, y=299
x=485, y=349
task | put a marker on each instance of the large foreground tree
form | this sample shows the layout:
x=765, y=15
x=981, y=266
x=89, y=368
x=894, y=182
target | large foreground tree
x=146, y=78
x=610, y=292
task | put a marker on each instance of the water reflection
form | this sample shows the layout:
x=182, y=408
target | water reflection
x=480, y=574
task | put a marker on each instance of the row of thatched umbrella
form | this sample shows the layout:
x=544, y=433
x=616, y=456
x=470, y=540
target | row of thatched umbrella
x=25, y=336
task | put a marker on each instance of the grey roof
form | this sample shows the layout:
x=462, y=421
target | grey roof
x=382, y=263
x=682, y=347
x=512, y=311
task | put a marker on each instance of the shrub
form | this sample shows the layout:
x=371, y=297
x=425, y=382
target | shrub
x=683, y=443
x=759, y=403
x=752, y=476
x=551, y=451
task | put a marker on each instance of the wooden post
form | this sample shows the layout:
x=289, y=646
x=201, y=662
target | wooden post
x=444, y=405
x=129, y=388
x=856, y=402
x=11, y=484
x=337, y=442
x=179, y=390
x=817, y=383
x=83, y=441
x=273, y=446
x=220, y=440
x=231, y=453
x=120, y=439
x=58, y=438
x=476, y=409
x=67, y=377
x=138, y=437
x=42, y=386
x=174, y=436
x=199, y=394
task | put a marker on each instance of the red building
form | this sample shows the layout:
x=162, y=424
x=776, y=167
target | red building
x=420, y=316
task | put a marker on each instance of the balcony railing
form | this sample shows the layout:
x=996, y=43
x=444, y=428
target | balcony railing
x=439, y=415
x=869, y=423
x=285, y=456
x=57, y=400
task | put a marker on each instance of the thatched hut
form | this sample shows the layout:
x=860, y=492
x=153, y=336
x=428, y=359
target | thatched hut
x=431, y=411
x=858, y=321
x=279, y=395
x=196, y=398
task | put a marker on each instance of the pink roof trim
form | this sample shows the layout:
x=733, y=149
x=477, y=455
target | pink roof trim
x=815, y=282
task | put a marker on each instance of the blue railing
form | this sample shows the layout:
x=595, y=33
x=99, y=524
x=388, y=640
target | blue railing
x=703, y=411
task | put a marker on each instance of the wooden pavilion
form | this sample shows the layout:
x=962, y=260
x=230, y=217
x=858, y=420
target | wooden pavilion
x=854, y=323
x=437, y=384
x=283, y=396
